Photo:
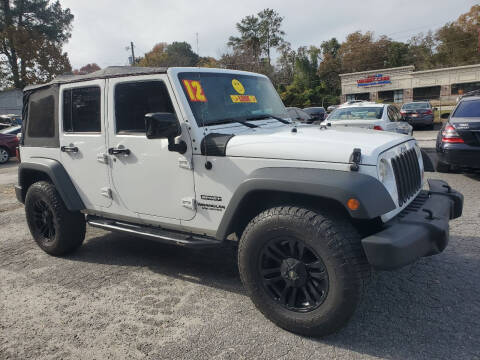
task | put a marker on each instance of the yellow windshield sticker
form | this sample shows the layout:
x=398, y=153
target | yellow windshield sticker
x=237, y=85
x=243, y=98
x=194, y=90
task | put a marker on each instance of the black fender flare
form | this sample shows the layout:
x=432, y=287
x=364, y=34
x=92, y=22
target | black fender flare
x=335, y=185
x=59, y=176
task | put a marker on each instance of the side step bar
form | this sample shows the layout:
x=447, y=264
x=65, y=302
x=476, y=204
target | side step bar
x=158, y=234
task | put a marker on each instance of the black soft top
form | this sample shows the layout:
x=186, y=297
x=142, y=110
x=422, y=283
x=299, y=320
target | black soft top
x=109, y=72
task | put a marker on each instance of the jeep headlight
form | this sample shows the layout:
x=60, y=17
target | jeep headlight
x=386, y=176
x=382, y=170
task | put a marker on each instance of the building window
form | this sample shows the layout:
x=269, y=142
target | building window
x=81, y=110
x=361, y=96
x=460, y=89
x=398, y=96
x=426, y=93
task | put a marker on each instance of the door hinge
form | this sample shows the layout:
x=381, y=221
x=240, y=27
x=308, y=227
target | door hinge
x=103, y=158
x=107, y=192
x=184, y=163
x=189, y=203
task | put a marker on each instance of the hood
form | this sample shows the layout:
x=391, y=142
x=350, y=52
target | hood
x=312, y=143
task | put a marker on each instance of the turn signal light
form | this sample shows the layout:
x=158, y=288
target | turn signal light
x=353, y=204
x=377, y=127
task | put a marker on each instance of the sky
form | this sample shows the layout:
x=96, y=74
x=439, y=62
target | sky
x=102, y=29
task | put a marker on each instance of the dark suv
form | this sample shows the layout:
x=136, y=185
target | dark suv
x=418, y=113
x=458, y=142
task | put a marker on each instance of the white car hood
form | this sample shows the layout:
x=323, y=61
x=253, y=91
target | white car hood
x=312, y=143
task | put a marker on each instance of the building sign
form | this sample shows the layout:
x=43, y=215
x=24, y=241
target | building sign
x=372, y=80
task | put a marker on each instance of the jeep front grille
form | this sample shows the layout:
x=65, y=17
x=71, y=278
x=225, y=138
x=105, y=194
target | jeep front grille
x=407, y=175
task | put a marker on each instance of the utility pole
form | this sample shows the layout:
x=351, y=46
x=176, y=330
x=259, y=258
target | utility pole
x=133, y=53
x=197, y=44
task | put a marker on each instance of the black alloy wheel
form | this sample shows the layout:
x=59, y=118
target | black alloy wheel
x=293, y=274
x=43, y=221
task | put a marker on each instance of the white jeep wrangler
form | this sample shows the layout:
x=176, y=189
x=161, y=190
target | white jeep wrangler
x=196, y=156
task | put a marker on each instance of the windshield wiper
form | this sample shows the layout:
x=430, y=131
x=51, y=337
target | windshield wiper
x=228, y=121
x=266, y=116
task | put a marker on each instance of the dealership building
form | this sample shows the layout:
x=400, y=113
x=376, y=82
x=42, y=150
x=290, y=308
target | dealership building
x=404, y=84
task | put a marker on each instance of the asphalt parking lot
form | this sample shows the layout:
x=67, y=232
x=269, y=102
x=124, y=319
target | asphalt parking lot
x=121, y=297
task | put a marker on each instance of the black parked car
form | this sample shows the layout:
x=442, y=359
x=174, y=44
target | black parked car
x=298, y=114
x=458, y=142
x=418, y=113
x=318, y=113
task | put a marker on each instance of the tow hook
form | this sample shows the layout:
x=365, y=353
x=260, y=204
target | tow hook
x=355, y=159
x=429, y=214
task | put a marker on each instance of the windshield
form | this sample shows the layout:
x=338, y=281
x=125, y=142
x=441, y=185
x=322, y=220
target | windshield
x=470, y=108
x=223, y=97
x=415, y=106
x=357, y=113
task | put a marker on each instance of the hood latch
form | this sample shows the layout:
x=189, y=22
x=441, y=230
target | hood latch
x=355, y=159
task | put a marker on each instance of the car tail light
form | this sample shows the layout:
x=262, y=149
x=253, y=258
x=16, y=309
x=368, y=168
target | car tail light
x=403, y=113
x=450, y=135
x=377, y=127
x=428, y=112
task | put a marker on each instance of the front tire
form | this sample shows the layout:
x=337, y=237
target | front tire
x=304, y=270
x=54, y=228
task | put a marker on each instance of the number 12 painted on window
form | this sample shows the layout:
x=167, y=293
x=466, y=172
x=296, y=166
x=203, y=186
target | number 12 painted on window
x=194, y=90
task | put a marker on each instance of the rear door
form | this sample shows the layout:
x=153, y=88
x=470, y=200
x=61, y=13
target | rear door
x=83, y=143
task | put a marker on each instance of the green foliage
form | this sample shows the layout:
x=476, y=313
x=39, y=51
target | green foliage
x=32, y=34
x=174, y=54
x=259, y=34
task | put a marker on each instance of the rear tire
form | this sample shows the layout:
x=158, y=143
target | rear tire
x=54, y=228
x=313, y=291
x=4, y=155
x=443, y=167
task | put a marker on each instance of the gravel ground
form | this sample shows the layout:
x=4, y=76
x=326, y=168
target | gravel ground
x=120, y=297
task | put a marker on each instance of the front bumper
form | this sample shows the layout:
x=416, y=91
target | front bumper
x=421, y=229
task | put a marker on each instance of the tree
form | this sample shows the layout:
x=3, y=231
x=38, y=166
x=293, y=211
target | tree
x=174, y=54
x=249, y=40
x=421, y=51
x=258, y=36
x=458, y=41
x=32, y=34
x=271, y=36
x=87, y=69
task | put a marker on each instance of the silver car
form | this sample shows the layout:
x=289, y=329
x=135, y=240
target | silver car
x=369, y=115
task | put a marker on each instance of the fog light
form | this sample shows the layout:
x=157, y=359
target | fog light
x=353, y=204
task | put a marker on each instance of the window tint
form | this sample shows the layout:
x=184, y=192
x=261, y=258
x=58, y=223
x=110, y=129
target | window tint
x=357, y=113
x=81, y=110
x=415, y=106
x=41, y=122
x=469, y=108
x=135, y=99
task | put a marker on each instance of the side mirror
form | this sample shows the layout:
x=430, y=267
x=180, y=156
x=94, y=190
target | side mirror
x=162, y=126
x=445, y=115
x=165, y=126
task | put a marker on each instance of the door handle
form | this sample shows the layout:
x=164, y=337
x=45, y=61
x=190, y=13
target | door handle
x=69, y=149
x=117, y=151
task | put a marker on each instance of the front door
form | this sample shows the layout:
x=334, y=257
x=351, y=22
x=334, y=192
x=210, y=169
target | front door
x=148, y=179
x=83, y=142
